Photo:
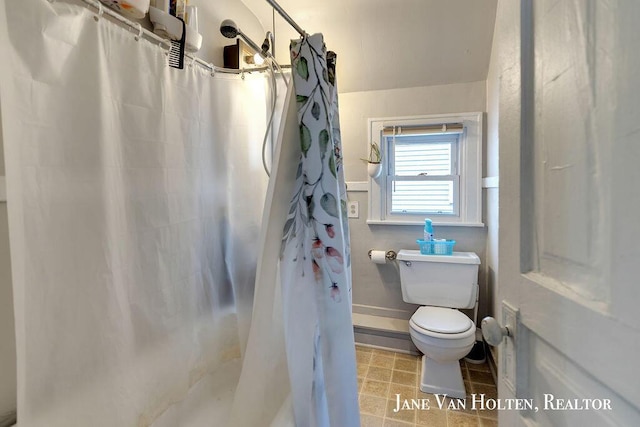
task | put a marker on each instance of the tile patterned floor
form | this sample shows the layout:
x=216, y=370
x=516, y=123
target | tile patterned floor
x=383, y=374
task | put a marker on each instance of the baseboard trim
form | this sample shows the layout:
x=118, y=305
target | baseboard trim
x=387, y=333
x=378, y=347
x=398, y=342
x=380, y=323
x=382, y=311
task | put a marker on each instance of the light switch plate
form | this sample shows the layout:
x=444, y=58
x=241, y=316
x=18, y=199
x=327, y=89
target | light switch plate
x=353, y=210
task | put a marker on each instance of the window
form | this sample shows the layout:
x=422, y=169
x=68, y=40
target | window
x=430, y=168
x=423, y=174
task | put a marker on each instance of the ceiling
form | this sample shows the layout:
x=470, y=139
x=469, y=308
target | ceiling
x=389, y=44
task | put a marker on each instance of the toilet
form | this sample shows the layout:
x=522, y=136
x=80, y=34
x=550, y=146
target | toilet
x=441, y=284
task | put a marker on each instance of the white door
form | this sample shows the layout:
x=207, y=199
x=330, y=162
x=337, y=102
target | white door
x=569, y=231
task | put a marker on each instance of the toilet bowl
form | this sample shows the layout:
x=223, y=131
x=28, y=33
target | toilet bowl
x=444, y=336
x=441, y=285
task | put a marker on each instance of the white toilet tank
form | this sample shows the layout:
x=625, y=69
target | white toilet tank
x=439, y=280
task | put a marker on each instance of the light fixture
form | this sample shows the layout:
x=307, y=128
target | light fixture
x=258, y=59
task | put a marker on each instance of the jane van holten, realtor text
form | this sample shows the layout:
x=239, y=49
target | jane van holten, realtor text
x=480, y=402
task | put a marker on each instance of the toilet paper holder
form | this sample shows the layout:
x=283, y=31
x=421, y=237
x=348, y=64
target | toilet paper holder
x=389, y=255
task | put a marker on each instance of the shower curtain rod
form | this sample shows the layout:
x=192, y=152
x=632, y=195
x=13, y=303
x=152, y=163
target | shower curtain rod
x=286, y=17
x=103, y=10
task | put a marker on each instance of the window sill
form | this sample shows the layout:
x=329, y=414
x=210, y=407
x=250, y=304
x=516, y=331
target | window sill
x=435, y=224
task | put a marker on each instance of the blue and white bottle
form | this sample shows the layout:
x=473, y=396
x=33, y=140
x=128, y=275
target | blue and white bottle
x=428, y=230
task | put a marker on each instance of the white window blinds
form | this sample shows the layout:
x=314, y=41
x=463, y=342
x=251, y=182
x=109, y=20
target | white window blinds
x=423, y=174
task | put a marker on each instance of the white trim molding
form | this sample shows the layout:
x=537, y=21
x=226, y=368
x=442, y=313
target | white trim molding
x=357, y=186
x=491, y=182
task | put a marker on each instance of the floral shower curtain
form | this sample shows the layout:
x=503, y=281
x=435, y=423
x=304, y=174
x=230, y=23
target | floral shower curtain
x=315, y=261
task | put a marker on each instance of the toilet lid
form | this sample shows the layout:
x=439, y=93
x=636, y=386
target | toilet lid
x=442, y=320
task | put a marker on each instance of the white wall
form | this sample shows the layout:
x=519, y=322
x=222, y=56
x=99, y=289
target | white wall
x=357, y=107
x=503, y=106
x=7, y=331
x=392, y=44
x=500, y=88
x=211, y=14
x=378, y=286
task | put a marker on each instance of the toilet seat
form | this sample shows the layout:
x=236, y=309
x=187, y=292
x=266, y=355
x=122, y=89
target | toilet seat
x=441, y=322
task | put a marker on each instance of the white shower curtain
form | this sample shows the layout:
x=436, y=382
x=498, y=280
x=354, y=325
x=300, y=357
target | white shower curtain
x=300, y=364
x=134, y=197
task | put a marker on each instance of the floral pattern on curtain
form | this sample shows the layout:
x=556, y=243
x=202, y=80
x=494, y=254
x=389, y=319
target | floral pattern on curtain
x=315, y=259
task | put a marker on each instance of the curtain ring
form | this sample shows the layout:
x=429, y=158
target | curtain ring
x=193, y=60
x=242, y=74
x=139, y=27
x=98, y=5
x=213, y=69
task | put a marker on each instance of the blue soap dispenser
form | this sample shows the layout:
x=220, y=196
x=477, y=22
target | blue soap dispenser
x=428, y=230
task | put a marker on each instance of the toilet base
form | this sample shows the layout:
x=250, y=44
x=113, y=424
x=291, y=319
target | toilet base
x=442, y=378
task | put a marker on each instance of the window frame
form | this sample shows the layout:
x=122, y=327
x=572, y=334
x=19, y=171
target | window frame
x=454, y=177
x=469, y=168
